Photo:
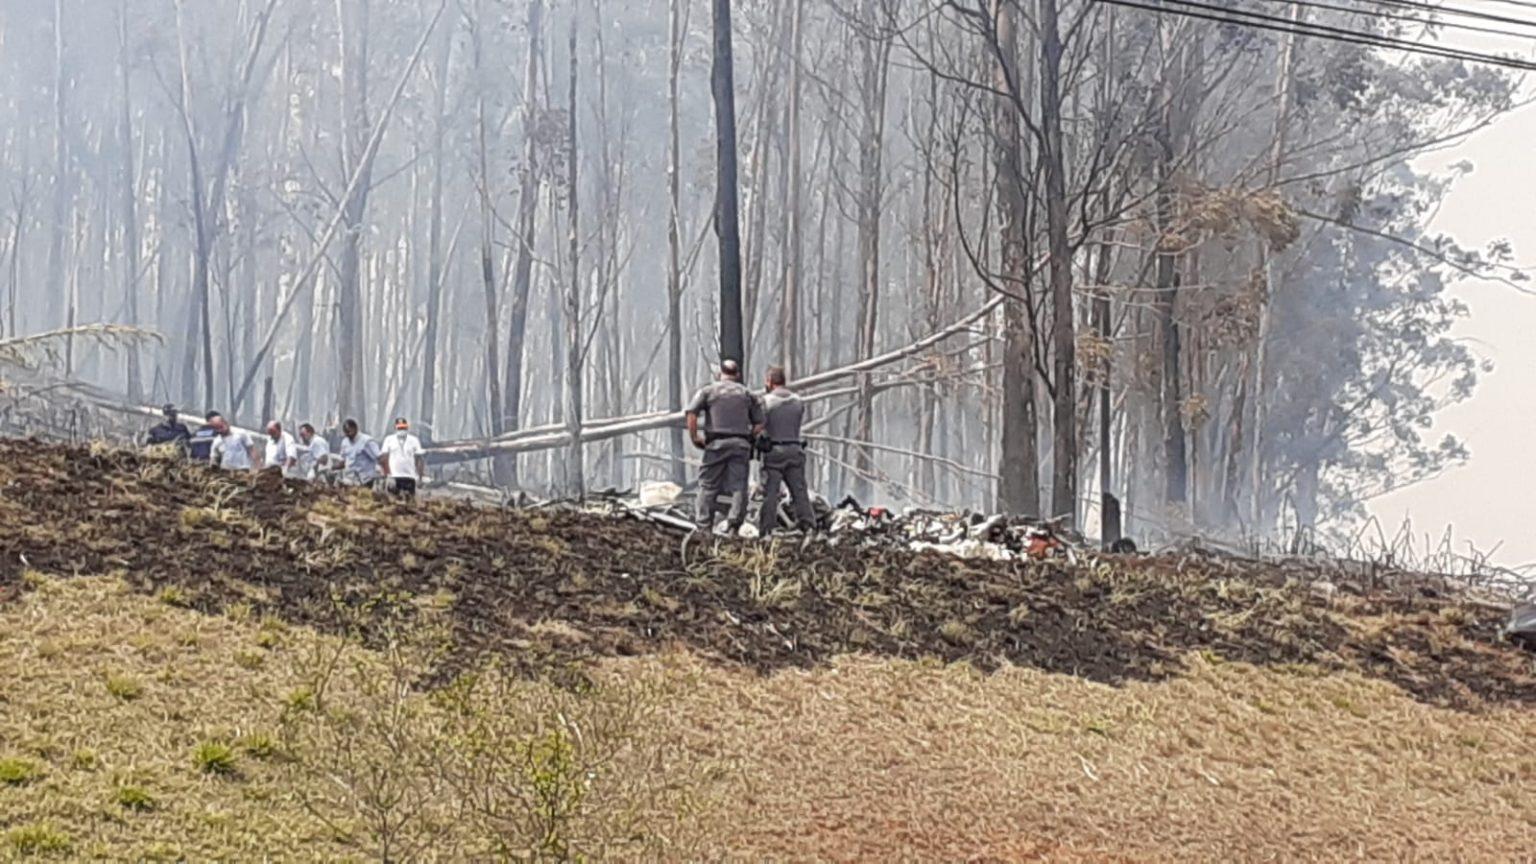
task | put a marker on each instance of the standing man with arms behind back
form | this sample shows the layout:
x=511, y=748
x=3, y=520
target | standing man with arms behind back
x=402, y=461
x=783, y=456
x=733, y=419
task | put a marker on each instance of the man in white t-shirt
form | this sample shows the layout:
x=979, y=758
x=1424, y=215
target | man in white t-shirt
x=402, y=460
x=281, y=452
x=314, y=454
x=232, y=449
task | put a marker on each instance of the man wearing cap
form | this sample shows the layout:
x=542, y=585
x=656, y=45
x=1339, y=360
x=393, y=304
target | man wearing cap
x=733, y=418
x=783, y=456
x=281, y=452
x=170, y=431
x=359, y=456
x=402, y=460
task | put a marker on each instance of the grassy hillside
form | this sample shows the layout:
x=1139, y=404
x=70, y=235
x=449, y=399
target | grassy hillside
x=198, y=668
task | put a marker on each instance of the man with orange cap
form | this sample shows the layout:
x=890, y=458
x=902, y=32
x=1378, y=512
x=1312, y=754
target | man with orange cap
x=402, y=460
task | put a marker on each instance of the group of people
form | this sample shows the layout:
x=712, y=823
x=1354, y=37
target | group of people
x=397, y=463
x=726, y=420
x=736, y=424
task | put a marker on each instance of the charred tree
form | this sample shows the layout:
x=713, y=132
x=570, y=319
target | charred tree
x=1018, y=468
x=874, y=54
x=1063, y=329
x=727, y=208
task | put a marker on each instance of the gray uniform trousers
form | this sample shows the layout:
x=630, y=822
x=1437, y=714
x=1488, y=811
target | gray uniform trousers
x=785, y=464
x=725, y=472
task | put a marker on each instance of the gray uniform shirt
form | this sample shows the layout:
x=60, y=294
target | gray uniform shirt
x=783, y=412
x=729, y=409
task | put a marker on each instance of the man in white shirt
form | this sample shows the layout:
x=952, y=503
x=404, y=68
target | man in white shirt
x=281, y=452
x=232, y=449
x=314, y=454
x=402, y=460
x=359, y=456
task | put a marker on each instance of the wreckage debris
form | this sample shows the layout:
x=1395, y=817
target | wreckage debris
x=1521, y=629
x=992, y=537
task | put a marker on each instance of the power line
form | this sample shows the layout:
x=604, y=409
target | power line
x=1259, y=21
x=1320, y=28
x=1408, y=19
x=1446, y=9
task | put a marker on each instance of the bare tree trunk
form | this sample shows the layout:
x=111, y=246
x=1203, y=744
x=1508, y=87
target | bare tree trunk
x=497, y=418
x=527, y=213
x=1063, y=325
x=17, y=235
x=129, y=201
x=1018, y=466
x=55, y=287
x=727, y=216
x=351, y=388
x=1101, y=327
x=790, y=340
x=574, y=347
x=676, y=27
x=1171, y=403
x=435, y=265
x=1261, y=349
x=876, y=51
x=200, y=303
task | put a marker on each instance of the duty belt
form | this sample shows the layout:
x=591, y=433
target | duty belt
x=712, y=437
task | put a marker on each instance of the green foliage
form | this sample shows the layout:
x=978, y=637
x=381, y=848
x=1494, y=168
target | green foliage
x=260, y=745
x=135, y=798
x=37, y=839
x=173, y=595
x=124, y=687
x=300, y=699
x=547, y=772
x=19, y=772
x=214, y=757
x=249, y=660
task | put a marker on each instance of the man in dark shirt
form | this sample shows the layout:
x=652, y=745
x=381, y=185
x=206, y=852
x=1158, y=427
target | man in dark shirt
x=171, y=431
x=200, y=448
x=784, y=456
x=733, y=419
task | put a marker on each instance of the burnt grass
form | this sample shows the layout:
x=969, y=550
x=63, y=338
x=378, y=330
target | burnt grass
x=535, y=587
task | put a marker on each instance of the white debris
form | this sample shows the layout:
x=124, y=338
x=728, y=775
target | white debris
x=966, y=549
x=659, y=493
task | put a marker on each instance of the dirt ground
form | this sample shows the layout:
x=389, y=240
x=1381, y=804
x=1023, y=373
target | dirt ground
x=545, y=587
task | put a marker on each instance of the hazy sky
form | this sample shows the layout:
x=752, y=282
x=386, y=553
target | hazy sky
x=1491, y=500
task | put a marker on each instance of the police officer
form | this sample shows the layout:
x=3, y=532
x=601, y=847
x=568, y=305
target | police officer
x=171, y=431
x=783, y=456
x=734, y=418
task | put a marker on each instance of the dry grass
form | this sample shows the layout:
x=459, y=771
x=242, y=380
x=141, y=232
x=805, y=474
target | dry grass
x=213, y=757
x=878, y=760
x=860, y=760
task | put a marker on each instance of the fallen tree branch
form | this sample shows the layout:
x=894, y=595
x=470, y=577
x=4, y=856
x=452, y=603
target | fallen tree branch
x=900, y=451
x=549, y=437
